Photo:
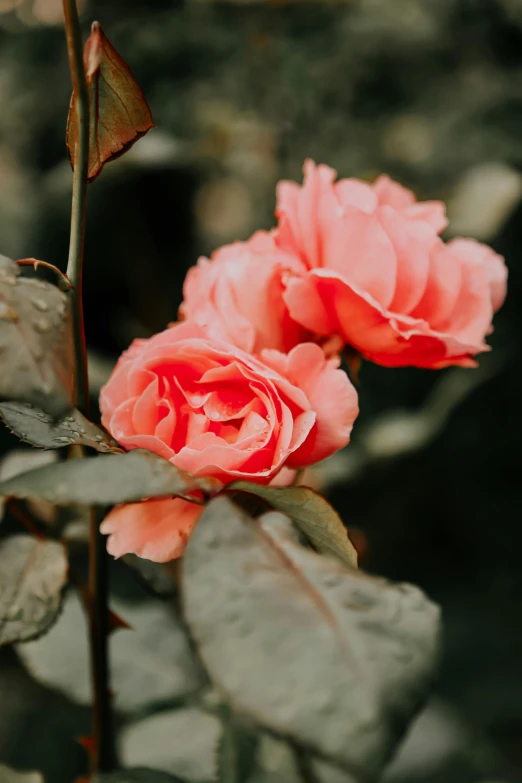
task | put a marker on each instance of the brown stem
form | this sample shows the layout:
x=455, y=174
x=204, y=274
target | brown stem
x=102, y=757
x=24, y=519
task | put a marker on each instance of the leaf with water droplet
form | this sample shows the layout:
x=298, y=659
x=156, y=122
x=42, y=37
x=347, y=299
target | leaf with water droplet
x=339, y=666
x=33, y=573
x=36, y=348
x=107, y=479
x=40, y=429
x=312, y=513
x=118, y=112
x=8, y=775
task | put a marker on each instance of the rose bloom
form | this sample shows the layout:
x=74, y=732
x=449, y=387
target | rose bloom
x=237, y=295
x=214, y=410
x=380, y=276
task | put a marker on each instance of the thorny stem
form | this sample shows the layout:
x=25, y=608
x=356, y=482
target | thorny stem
x=102, y=757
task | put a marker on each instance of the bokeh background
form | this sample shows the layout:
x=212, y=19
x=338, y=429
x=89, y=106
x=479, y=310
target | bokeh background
x=429, y=91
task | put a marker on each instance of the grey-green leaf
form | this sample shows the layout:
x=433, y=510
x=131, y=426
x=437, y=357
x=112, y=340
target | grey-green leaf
x=152, y=662
x=182, y=742
x=33, y=573
x=334, y=660
x=105, y=480
x=40, y=429
x=36, y=349
x=138, y=775
x=8, y=775
x=314, y=516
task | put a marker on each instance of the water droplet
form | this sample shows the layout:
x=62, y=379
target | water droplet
x=40, y=304
x=42, y=325
x=63, y=439
x=13, y=613
x=8, y=279
x=99, y=438
x=331, y=580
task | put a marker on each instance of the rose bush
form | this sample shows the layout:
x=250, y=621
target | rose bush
x=237, y=295
x=214, y=410
x=380, y=276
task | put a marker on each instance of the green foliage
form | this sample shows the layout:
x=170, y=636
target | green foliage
x=151, y=663
x=10, y=776
x=139, y=775
x=36, y=356
x=314, y=516
x=38, y=428
x=105, y=480
x=33, y=573
x=180, y=741
x=334, y=660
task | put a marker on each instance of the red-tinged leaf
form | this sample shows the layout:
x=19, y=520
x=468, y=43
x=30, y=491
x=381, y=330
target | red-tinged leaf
x=118, y=112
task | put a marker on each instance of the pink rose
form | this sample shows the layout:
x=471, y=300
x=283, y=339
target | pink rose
x=380, y=276
x=156, y=530
x=214, y=410
x=237, y=295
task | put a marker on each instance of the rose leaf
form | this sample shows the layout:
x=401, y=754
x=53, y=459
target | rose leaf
x=36, y=350
x=8, y=775
x=105, y=480
x=118, y=112
x=333, y=660
x=33, y=573
x=313, y=515
x=34, y=426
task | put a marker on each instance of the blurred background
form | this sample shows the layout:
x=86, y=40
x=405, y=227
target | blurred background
x=428, y=91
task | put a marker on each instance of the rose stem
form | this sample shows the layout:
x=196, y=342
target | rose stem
x=103, y=755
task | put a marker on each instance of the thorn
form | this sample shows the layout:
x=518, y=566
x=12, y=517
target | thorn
x=64, y=284
x=87, y=743
x=117, y=623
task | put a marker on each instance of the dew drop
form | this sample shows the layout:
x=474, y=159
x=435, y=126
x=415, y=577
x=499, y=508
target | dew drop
x=40, y=304
x=42, y=325
x=331, y=580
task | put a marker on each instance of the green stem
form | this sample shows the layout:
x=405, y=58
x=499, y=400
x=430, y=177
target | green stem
x=103, y=756
x=79, y=198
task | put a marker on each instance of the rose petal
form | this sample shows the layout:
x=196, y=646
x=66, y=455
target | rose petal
x=157, y=530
